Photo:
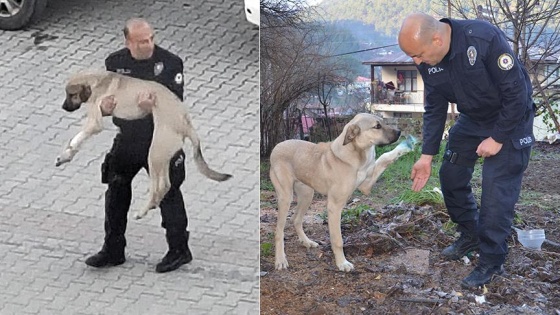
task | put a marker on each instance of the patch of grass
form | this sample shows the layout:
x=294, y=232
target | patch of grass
x=532, y=198
x=421, y=198
x=265, y=166
x=266, y=249
x=350, y=215
x=449, y=227
x=517, y=220
x=396, y=178
x=398, y=173
x=266, y=184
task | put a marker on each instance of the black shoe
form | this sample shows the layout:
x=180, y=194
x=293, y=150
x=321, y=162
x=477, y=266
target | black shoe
x=173, y=260
x=480, y=276
x=105, y=259
x=465, y=244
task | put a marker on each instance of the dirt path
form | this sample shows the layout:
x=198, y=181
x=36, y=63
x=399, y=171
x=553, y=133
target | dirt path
x=395, y=250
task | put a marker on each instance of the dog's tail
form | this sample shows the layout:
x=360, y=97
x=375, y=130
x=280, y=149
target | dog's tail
x=204, y=169
x=199, y=159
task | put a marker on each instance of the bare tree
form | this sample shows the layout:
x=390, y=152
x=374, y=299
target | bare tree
x=294, y=60
x=325, y=86
x=533, y=28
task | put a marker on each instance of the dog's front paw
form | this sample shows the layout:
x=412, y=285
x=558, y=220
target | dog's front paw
x=61, y=160
x=66, y=156
x=281, y=263
x=345, y=266
x=407, y=145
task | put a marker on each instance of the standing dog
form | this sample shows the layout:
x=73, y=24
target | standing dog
x=334, y=169
x=172, y=124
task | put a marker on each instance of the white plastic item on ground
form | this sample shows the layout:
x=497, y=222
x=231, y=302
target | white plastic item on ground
x=532, y=239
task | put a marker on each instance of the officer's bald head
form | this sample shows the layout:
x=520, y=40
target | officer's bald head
x=424, y=38
x=135, y=24
x=139, y=38
x=418, y=27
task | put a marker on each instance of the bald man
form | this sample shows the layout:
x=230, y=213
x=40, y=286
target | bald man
x=470, y=63
x=144, y=60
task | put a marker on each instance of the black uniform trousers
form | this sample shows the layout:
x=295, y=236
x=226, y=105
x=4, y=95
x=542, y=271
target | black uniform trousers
x=122, y=163
x=501, y=186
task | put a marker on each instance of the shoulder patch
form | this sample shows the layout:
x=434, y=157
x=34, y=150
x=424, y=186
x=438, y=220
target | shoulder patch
x=179, y=78
x=505, y=61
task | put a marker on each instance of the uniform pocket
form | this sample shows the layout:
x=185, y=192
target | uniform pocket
x=520, y=153
x=523, y=141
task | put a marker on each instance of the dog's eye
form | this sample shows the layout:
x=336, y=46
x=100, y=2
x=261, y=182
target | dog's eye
x=377, y=126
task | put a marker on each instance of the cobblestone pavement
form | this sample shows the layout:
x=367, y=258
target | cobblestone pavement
x=51, y=218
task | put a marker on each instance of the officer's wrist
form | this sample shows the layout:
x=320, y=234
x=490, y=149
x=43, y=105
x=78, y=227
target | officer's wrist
x=426, y=157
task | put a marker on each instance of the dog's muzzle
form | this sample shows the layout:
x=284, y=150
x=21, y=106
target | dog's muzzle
x=69, y=106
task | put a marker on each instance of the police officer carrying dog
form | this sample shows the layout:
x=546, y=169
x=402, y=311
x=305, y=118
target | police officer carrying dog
x=470, y=63
x=144, y=60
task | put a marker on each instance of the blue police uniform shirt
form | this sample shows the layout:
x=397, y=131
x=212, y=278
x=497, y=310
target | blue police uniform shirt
x=483, y=77
x=163, y=67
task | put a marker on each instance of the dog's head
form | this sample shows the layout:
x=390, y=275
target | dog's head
x=366, y=130
x=76, y=94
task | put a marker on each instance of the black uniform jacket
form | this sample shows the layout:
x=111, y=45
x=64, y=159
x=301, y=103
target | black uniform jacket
x=486, y=81
x=163, y=67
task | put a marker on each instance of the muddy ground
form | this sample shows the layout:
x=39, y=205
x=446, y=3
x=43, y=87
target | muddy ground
x=395, y=250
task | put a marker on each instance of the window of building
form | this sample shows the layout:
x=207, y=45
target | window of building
x=552, y=75
x=407, y=81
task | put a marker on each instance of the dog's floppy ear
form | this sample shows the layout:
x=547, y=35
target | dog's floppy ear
x=73, y=88
x=352, y=132
x=85, y=92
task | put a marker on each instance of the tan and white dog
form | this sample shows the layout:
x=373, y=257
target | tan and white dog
x=172, y=124
x=334, y=169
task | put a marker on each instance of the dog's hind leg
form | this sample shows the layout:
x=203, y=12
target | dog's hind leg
x=304, y=195
x=159, y=180
x=284, y=195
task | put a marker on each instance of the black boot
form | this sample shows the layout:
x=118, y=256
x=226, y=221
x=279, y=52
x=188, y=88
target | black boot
x=112, y=254
x=178, y=254
x=465, y=244
x=481, y=275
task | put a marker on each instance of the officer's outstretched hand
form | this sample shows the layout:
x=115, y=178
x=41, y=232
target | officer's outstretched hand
x=489, y=147
x=421, y=172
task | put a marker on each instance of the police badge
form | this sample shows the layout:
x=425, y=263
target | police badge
x=158, y=68
x=471, y=53
x=505, y=61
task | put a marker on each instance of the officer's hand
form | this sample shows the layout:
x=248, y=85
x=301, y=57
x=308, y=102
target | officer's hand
x=421, y=172
x=146, y=101
x=489, y=147
x=107, y=106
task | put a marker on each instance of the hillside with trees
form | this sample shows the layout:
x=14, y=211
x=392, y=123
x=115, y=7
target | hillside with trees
x=385, y=16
